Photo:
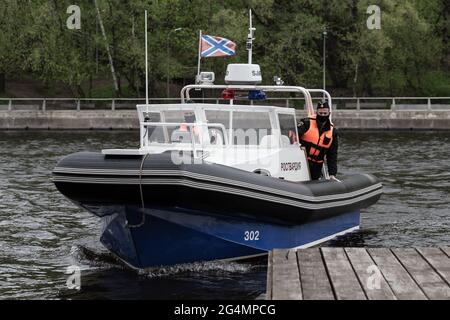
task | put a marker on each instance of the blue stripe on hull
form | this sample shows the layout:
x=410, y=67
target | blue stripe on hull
x=176, y=236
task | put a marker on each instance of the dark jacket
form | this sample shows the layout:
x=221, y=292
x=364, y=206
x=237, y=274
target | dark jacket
x=332, y=152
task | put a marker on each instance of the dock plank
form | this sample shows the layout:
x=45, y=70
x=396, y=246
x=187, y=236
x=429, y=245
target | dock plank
x=420, y=270
x=401, y=283
x=446, y=251
x=343, y=279
x=438, y=260
x=365, y=268
x=313, y=275
x=286, y=278
x=269, y=276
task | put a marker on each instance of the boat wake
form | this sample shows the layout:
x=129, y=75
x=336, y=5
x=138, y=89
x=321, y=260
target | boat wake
x=210, y=267
x=105, y=260
x=356, y=238
x=94, y=258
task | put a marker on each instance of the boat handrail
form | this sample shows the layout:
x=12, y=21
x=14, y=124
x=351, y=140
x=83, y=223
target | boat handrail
x=189, y=125
x=330, y=101
x=185, y=96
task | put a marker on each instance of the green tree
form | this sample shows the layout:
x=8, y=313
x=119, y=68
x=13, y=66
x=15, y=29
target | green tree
x=410, y=55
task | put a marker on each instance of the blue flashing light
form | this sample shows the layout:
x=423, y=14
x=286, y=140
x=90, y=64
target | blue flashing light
x=256, y=95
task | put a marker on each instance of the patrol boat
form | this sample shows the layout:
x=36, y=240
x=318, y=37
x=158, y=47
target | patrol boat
x=223, y=181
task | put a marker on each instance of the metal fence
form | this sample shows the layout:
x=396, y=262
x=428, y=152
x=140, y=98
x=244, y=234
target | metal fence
x=339, y=103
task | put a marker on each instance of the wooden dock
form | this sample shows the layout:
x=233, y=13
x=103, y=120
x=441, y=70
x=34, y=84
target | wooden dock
x=359, y=274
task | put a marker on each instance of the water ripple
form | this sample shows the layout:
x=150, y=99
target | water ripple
x=42, y=233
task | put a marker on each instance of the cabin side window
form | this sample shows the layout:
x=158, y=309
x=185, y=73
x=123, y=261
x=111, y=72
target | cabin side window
x=154, y=134
x=251, y=128
x=287, y=129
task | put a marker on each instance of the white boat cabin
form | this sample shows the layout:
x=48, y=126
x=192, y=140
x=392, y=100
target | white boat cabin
x=261, y=139
x=254, y=138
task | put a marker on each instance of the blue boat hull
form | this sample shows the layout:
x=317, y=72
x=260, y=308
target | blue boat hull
x=169, y=237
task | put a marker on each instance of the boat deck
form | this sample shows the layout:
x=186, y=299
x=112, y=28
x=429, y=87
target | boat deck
x=359, y=274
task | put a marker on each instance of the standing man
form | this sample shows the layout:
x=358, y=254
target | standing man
x=320, y=139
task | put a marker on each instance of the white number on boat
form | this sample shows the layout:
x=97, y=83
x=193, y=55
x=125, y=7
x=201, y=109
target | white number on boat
x=251, y=235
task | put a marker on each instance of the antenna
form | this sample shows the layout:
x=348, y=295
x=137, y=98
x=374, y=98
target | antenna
x=146, y=61
x=250, y=39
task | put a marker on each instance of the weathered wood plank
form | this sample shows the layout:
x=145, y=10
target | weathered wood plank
x=446, y=251
x=438, y=260
x=343, y=279
x=428, y=280
x=370, y=277
x=285, y=277
x=313, y=275
x=269, y=276
x=398, y=278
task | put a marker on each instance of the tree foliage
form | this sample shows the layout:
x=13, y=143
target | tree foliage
x=409, y=55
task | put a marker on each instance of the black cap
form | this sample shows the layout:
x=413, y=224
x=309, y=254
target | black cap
x=323, y=104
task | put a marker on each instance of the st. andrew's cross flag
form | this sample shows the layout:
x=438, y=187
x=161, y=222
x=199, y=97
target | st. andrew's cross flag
x=217, y=47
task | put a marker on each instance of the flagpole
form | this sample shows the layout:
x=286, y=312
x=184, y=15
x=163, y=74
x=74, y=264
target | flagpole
x=199, y=54
x=146, y=61
x=250, y=39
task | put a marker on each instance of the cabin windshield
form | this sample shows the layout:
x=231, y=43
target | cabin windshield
x=216, y=136
x=251, y=128
x=171, y=126
x=216, y=125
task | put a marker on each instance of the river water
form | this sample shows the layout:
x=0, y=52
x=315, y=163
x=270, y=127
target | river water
x=42, y=234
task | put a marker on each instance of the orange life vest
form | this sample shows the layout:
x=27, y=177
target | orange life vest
x=316, y=146
x=185, y=128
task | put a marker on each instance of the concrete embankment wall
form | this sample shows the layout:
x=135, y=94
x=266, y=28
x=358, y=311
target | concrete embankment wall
x=127, y=120
x=390, y=120
x=69, y=120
